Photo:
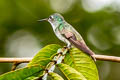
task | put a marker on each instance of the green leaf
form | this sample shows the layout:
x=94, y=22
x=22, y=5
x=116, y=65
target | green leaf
x=55, y=76
x=82, y=63
x=21, y=74
x=45, y=55
x=34, y=68
x=36, y=76
x=70, y=73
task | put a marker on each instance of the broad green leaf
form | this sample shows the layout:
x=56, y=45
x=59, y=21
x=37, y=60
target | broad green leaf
x=36, y=76
x=45, y=55
x=55, y=76
x=70, y=73
x=34, y=68
x=21, y=74
x=82, y=63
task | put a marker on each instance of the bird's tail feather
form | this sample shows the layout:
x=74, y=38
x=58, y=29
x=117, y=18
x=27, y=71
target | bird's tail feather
x=82, y=47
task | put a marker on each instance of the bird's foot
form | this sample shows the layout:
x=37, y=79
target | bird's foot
x=67, y=47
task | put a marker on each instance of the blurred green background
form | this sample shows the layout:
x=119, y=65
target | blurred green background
x=98, y=21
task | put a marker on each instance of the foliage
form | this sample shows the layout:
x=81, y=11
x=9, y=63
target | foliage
x=76, y=66
x=70, y=73
x=82, y=63
x=21, y=74
x=45, y=55
x=55, y=76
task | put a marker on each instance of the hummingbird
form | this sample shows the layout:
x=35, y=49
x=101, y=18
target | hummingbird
x=66, y=33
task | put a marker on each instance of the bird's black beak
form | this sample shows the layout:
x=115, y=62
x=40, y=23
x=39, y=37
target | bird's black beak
x=46, y=19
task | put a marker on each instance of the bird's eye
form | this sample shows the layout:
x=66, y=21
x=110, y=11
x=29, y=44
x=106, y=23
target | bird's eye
x=50, y=17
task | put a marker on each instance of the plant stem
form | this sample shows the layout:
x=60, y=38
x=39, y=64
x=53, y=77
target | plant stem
x=26, y=60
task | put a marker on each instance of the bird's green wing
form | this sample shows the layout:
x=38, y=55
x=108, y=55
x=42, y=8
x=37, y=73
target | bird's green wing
x=75, y=32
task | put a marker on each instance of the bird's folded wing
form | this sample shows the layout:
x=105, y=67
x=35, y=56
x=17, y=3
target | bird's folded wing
x=72, y=38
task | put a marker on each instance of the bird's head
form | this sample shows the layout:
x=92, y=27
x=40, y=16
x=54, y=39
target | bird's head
x=55, y=20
